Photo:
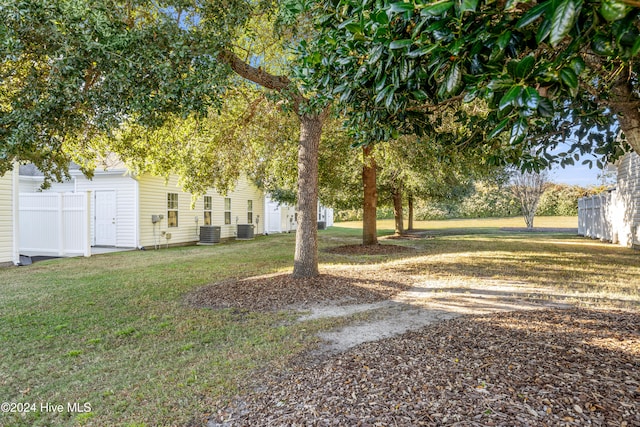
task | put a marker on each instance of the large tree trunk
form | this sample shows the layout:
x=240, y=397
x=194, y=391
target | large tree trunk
x=627, y=107
x=630, y=125
x=305, y=262
x=306, y=254
x=397, y=210
x=621, y=100
x=369, y=226
x=410, y=207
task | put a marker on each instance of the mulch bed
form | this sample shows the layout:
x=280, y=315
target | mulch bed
x=553, y=367
x=573, y=367
x=281, y=291
x=412, y=235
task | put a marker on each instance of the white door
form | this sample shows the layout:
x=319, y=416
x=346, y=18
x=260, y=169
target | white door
x=273, y=208
x=105, y=221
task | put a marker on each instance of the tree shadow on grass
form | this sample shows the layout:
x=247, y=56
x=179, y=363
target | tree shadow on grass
x=555, y=261
x=454, y=241
x=473, y=299
x=567, y=270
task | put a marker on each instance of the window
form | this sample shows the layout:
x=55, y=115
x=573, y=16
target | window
x=172, y=209
x=208, y=204
x=227, y=210
x=249, y=211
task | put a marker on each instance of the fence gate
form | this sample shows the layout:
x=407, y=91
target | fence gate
x=54, y=224
x=593, y=220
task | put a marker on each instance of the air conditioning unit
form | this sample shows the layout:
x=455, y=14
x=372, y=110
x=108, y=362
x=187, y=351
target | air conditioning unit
x=245, y=231
x=209, y=234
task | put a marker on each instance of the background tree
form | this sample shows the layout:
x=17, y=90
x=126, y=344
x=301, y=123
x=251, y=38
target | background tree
x=415, y=168
x=528, y=187
x=491, y=197
x=562, y=199
x=430, y=166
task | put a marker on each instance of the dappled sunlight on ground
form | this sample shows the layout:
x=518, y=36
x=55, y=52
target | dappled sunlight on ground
x=539, y=276
x=580, y=242
x=549, y=267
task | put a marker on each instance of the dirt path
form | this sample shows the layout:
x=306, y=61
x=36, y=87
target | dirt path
x=423, y=304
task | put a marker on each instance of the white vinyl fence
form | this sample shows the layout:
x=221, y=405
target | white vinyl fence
x=54, y=224
x=594, y=219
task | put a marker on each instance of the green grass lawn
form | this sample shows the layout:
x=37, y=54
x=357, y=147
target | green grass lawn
x=486, y=224
x=113, y=330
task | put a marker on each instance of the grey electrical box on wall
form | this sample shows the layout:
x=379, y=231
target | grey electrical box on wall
x=156, y=218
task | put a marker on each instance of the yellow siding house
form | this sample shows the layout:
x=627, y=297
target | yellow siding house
x=148, y=212
x=8, y=218
x=166, y=214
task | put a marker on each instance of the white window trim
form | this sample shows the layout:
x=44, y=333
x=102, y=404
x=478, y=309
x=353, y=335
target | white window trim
x=176, y=210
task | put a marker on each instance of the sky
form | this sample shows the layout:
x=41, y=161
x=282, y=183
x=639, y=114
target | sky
x=577, y=175
x=580, y=174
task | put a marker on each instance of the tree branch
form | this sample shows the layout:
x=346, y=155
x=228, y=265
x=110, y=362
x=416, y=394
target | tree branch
x=259, y=76
x=256, y=75
x=633, y=3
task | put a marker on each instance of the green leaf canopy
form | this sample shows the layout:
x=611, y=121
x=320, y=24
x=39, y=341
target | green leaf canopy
x=71, y=70
x=535, y=63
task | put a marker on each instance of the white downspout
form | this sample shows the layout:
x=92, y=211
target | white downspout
x=136, y=207
x=265, y=217
x=15, y=190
